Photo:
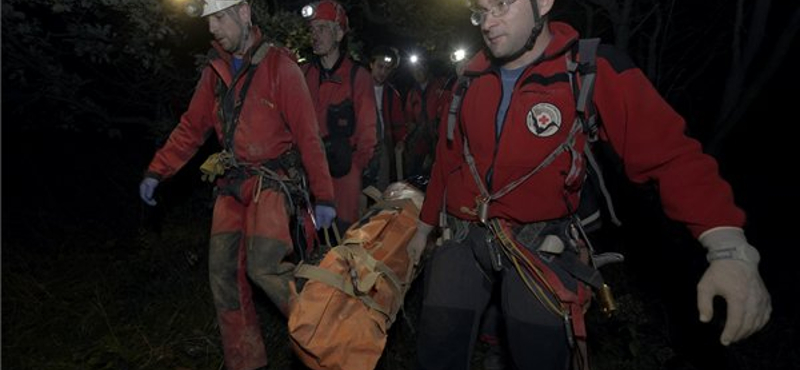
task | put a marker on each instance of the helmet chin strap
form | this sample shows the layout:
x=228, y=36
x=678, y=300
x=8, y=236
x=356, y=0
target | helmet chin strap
x=244, y=29
x=535, y=31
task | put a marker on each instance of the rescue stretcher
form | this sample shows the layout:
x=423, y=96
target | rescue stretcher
x=340, y=318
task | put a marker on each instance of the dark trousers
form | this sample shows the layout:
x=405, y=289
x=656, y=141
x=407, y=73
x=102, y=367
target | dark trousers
x=459, y=283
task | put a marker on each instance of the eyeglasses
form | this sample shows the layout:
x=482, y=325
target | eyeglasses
x=497, y=9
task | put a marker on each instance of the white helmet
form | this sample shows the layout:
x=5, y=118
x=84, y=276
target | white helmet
x=213, y=6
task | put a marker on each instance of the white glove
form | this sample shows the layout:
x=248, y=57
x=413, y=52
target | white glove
x=733, y=275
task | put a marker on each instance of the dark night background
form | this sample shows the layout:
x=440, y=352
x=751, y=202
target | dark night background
x=93, y=279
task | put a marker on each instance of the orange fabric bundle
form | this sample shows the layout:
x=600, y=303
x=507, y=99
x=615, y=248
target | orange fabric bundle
x=340, y=319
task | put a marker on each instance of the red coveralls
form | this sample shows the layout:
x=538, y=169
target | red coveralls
x=333, y=87
x=644, y=131
x=250, y=228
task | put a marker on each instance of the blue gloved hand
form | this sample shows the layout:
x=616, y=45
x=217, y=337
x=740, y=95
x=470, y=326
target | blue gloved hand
x=324, y=215
x=146, y=189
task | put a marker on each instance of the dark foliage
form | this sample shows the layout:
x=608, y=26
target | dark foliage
x=93, y=279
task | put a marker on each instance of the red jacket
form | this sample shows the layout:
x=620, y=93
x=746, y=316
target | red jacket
x=334, y=89
x=644, y=130
x=422, y=112
x=393, y=114
x=416, y=99
x=276, y=116
x=446, y=98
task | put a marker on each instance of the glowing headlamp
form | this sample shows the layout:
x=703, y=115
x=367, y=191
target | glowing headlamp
x=193, y=8
x=327, y=10
x=458, y=55
x=308, y=10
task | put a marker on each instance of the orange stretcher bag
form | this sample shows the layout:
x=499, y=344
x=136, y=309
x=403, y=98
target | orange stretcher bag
x=340, y=319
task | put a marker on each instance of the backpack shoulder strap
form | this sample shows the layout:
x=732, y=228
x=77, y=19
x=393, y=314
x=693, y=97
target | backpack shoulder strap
x=583, y=67
x=230, y=108
x=455, y=105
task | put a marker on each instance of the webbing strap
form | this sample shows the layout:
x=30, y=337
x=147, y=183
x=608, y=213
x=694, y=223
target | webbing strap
x=376, y=269
x=586, y=67
x=572, y=303
x=322, y=275
x=352, y=251
x=572, y=264
x=455, y=105
x=597, y=170
x=566, y=146
x=337, y=237
x=543, y=274
x=231, y=107
x=353, y=247
x=338, y=282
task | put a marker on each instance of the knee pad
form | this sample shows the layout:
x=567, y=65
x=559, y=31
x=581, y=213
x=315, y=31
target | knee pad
x=223, y=261
x=265, y=256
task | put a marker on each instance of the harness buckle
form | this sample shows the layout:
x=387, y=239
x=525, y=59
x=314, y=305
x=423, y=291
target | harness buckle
x=495, y=255
x=569, y=330
x=482, y=208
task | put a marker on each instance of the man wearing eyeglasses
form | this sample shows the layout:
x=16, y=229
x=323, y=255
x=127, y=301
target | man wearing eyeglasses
x=506, y=186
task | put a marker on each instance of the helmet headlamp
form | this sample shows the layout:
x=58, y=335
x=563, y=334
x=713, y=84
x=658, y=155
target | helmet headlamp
x=308, y=10
x=458, y=55
x=327, y=10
